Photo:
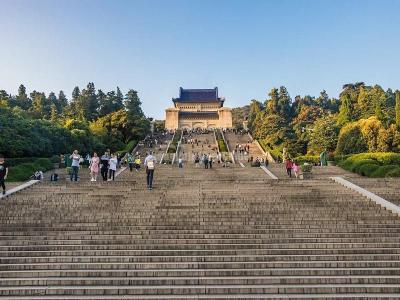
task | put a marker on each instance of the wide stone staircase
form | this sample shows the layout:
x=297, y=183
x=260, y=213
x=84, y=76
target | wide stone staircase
x=388, y=188
x=225, y=233
x=234, y=139
x=206, y=144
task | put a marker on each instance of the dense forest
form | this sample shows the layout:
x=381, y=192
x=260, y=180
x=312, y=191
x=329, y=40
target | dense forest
x=363, y=119
x=40, y=125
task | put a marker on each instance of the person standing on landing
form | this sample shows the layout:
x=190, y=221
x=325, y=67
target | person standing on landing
x=150, y=164
x=75, y=165
x=104, y=165
x=113, y=166
x=94, y=167
x=3, y=173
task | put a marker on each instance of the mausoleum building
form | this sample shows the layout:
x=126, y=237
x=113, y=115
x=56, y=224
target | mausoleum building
x=198, y=108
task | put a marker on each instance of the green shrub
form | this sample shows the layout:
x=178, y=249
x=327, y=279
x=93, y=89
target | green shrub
x=55, y=159
x=24, y=171
x=174, y=143
x=306, y=167
x=220, y=141
x=340, y=158
x=355, y=166
x=383, y=170
x=222, y=146
x=394, y=173
x=312, y=159
x=367, y=169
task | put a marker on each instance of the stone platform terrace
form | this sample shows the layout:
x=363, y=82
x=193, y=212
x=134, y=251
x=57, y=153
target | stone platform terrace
x=225, y=233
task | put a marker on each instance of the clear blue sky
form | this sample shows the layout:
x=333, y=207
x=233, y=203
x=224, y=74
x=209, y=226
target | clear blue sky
x=243, y=47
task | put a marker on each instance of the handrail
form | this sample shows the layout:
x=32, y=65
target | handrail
x=166, y=150
x=265, y=153
x=176, y=154
x=227, y=146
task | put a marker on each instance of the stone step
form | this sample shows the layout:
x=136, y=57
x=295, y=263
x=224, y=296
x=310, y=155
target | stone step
x=194, y=258
x=354, y=296
x=85, y=251
x=288, y=272
x=201, y=289
x=198, y=280
x=200, y=265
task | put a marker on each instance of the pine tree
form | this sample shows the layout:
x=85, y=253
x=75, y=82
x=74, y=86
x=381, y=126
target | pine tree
x=63, y=101
x=398, y=109
x=22, y=100
x=345, y=110
x=284, y=103
x=119, y=100
x=136, y=121
x=272, y=102
x=40, y=105
x=133, y=104
x=53, y=114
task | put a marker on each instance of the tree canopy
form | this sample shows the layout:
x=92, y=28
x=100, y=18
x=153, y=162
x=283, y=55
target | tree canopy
x=40, y=125
x=364, y=118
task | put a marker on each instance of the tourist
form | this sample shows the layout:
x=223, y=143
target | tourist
x=196, y=160
x=210, y=161
x=138, y=162
x=180, y=162
x=289, y=166
x=296, y=170
x=205, y=161
x=3, y=173
x=130, y=161
x=150, y=164
x=94, y=167
x=113, y=163
x=119, y=160
x=104, y=165
x=76, y=158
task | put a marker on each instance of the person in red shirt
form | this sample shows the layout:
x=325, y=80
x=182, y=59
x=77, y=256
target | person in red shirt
x=289, y=166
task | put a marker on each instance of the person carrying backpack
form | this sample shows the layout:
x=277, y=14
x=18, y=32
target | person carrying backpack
x=130, y=161
x=150, y=164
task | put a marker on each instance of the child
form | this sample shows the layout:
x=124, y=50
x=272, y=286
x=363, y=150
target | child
x=138, y=162
x=3, y=173
x=296, y=169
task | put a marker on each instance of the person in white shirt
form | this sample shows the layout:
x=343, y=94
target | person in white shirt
x=150, y=164
x=113, y=162
x=75, y=165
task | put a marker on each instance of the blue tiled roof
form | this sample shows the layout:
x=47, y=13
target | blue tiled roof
x=198, y=95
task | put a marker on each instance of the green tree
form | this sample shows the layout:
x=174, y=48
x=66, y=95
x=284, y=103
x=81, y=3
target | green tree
x=40, y=105
x=284, y=104
x=272, y=104
x=62, y=102
x=118, y=100
x=22, y=100
x=324, y=134
x=53, y=114
x=255, y=109
x=345, y=110
x=398, y=109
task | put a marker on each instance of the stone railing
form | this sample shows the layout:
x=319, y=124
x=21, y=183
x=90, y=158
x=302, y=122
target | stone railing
x=227, y=146
x=267, y=155
x=178, y=146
